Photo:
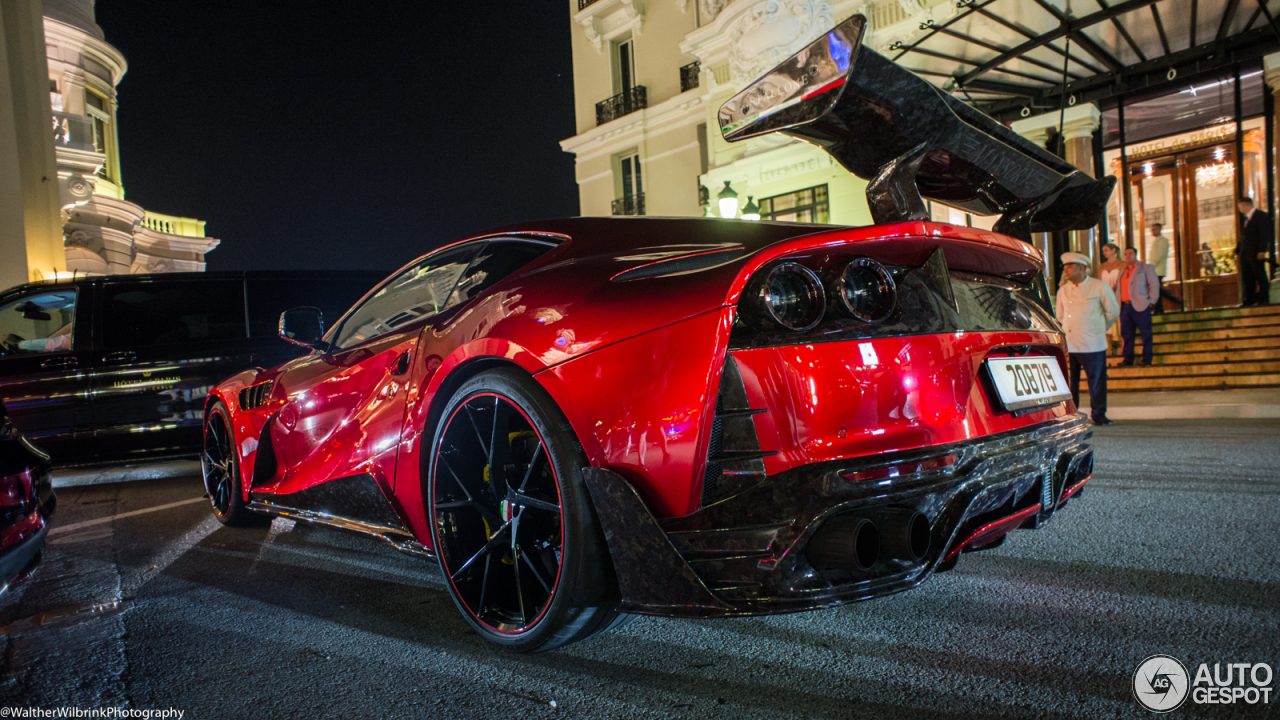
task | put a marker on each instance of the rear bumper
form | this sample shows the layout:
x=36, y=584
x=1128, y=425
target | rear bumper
x=746, y=555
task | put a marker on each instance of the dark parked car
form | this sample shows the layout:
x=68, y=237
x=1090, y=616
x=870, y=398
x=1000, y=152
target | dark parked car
x=26, y=502
x=117, y=367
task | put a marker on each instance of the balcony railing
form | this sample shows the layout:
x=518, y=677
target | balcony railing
x=689, y=76
x=624, y=103
x=629, y=205
x=173, y=225
x=73, y=131
x=582, y=4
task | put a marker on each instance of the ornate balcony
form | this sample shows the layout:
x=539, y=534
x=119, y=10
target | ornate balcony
x=624, y=103
x=689, y=76
x=629, y=205
x=173, y=225
x=582, y=4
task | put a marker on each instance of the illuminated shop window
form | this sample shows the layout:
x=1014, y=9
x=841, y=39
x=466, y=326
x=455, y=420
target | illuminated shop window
x=808, y=205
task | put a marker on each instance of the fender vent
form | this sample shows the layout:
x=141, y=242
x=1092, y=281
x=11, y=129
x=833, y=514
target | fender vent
x=734, y=458
x=255, y=396
x=265, y=466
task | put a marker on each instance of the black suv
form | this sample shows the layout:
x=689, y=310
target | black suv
x=117, y=367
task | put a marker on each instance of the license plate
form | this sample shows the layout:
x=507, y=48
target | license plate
x=1024, y=382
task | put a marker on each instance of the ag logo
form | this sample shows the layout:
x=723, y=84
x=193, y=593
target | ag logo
x=1160, y=683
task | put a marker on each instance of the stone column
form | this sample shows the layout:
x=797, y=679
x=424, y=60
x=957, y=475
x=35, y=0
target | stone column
x=73, y=91
x=30, y=226
x=1078, y=124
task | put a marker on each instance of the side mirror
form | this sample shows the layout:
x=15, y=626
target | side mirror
x=303, y=326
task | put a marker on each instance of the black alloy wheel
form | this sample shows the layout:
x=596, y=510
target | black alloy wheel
x=222, y=471
x=517, y=540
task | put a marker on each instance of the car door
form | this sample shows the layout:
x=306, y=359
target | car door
x=165, y=343
x=44, y=361
x=344, y=408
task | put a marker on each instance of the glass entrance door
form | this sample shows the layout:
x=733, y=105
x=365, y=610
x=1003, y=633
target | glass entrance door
x=1184, y=222
x=1208, y=179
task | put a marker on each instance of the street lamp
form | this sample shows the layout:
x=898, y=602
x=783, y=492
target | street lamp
x=752, y=210
x=728, y=202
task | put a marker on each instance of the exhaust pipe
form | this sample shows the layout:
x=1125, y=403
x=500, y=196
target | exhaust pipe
x=845, y=542
x=907, y=535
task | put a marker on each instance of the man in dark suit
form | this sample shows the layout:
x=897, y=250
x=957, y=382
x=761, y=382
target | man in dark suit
x=1254, y=248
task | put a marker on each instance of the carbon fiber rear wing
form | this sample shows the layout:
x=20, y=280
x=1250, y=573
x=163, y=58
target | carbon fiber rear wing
x=912, y=141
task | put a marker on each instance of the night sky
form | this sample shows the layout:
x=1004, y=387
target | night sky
x=343, y=135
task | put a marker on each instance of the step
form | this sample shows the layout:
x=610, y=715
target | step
x=1232, y=322
x=1219, y=334
x=1191, y=404
x=1214, y=355
x=1216, y=314
x=1230, y=345
x=1210, y=356
x=1191, y=382
x=1220, y=368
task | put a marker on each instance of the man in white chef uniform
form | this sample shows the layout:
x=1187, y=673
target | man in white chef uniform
x=1086, y=308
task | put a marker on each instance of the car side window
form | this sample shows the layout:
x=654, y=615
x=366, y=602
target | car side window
x=422, y=291
x=145, y=314
x=496, y=260
x=38, y=323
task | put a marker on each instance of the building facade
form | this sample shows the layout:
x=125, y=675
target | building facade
x=1174, y=101
x=103, y=232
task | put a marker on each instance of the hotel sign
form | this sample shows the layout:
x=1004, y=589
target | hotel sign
x=1208, y=136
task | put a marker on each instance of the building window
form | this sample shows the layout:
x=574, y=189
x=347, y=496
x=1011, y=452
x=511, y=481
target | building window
x=624, y=65
x=630, y=187
x=808, y=205
x=96, y=108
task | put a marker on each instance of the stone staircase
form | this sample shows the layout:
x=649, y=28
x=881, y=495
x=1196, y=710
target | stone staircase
x=1223, y=349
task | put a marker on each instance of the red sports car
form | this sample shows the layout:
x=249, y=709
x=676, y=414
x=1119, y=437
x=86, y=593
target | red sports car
x=591, y=418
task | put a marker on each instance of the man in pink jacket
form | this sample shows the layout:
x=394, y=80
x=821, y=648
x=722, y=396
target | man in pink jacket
x=1139, y=290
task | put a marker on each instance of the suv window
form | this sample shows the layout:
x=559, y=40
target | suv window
x=144, y=314
x=38, y=323
x=422, y=291
x=496, y=260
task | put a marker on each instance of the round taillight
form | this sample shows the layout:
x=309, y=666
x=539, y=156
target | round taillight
x=788, y=294
x=864, y=290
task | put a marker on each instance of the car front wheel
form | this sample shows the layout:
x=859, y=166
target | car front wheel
x=222, y=471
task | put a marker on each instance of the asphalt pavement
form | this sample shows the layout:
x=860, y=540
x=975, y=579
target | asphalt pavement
x=145, y=602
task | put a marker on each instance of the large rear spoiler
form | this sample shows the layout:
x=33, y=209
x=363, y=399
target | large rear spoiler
x=912, y=141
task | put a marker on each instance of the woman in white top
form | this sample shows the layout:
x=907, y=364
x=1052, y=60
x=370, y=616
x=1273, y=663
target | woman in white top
x=1109, y=272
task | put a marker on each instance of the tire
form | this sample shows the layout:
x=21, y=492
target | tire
x=221, y=467
x=522, y=550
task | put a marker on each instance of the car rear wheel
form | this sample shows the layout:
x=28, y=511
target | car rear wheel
x=515, y=532
x=221, y=468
